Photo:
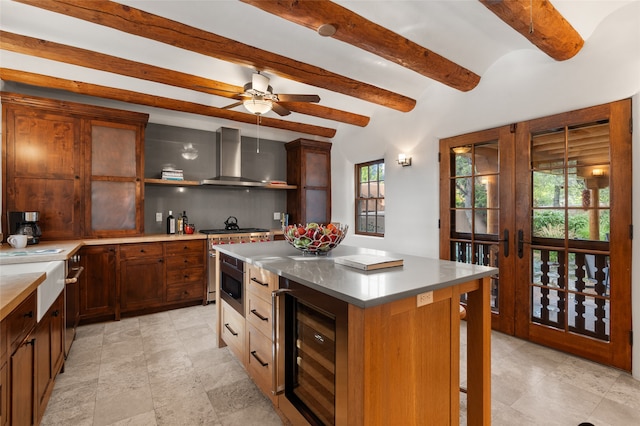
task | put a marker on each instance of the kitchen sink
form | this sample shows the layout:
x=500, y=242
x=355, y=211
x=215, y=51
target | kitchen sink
x=49, y=290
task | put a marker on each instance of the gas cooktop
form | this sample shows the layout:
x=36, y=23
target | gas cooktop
x=233, y=231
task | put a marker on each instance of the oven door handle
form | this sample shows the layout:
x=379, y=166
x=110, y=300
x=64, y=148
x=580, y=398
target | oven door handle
x=276, y=389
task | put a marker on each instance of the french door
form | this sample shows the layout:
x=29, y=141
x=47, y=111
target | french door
x=548, y=202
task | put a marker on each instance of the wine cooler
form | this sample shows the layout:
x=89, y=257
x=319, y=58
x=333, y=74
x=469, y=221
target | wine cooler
x=315, y=346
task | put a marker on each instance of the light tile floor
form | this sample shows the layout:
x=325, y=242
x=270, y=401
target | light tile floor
x=165, y=369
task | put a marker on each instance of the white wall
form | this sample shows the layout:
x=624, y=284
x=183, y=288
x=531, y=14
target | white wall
x=522, y=85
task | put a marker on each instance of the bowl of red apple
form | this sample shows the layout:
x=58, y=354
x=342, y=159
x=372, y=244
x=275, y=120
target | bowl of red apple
x=313, y=238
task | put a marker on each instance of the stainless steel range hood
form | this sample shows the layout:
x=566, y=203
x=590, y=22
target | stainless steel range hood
x=230, y=161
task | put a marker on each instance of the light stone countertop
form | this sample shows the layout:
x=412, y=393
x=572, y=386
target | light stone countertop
x=360, y=288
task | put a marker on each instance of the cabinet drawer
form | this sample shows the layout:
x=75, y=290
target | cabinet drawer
x=260, y=359
x=185, y=275
x=20, y=322
x=233, y=330
x=131, y=251
x=261, y=282
x=182, y=247
x=188, y=291
x=259, y=313
x=185, y=260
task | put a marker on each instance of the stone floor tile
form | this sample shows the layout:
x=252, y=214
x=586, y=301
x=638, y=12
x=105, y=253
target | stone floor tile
x=122, y=406
x=144, y=419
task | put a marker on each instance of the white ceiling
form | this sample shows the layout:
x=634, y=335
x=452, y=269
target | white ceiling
x=463, y=31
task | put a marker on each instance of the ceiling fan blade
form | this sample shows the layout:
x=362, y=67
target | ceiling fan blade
x=233, y=105
x=279, y=109
x=298, y=98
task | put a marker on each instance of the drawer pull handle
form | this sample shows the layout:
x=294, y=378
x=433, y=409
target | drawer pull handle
x=262, y=363
x=230, y=329
x=29, y=314
x=256, y=313
x=260, y=282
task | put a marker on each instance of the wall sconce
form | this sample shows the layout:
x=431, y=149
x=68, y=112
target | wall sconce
x=403, y=160
x=597, y=172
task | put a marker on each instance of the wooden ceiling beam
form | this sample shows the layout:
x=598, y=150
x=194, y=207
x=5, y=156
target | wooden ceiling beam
x=143, y=24
x=543, y=26
x=353, y=29
x=157, y=101
x=99, y=61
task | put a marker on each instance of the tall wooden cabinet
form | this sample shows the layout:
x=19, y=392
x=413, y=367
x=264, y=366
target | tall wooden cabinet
x=309, y=168
x=80, y=166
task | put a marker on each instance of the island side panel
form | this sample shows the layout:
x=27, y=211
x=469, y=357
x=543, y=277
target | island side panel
x=410, y=363
x=479, y=354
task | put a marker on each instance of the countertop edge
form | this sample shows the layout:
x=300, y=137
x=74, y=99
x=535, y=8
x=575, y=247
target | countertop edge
x=14, y=292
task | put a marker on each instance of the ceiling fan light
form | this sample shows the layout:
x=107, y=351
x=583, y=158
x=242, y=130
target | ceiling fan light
x=258, y=106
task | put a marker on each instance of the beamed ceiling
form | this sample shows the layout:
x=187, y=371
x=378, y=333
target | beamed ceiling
x=195, y=56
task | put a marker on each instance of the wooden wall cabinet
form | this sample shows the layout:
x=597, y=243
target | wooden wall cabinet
x=4, y=376
x=97, y=285
x=309, y=169
x=80, y=166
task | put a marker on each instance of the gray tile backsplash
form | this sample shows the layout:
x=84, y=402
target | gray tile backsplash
x=207, y=206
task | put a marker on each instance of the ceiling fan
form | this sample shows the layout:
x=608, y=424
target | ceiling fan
x=258, y=97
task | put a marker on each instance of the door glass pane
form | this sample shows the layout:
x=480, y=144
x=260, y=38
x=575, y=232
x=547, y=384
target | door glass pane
x=462, y=160
x=547, y=149
x=463, y=188
x=548, y=188
x=548, y=223
x=486, y=157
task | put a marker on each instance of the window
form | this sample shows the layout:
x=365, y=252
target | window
x=370, y=198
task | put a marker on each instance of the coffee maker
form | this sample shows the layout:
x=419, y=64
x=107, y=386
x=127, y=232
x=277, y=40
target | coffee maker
x=25, y=223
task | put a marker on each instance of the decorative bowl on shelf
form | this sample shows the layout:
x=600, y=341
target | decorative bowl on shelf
x=313, y=238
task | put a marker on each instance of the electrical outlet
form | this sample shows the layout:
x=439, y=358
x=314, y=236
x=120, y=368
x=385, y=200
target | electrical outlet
x=159, y=217
x=276, y=215
x=425, y=298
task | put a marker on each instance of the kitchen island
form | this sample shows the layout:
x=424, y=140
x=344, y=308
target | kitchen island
x=398, y=361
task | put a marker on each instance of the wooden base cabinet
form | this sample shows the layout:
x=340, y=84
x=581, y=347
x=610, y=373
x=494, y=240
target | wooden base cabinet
x=97, y=285
x=21, y=346
x=49, y=353
x=186, y=270
x=141, y=276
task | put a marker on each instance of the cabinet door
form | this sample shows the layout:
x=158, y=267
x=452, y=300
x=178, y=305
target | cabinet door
x=42, y=360
x=141, y=283
x=98, y=282
x=4, y=395
x=114, y=185
x=44, y=171
x=22, y=383
x=309, y=167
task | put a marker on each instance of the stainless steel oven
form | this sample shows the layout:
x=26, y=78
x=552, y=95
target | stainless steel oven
x=225, y=236
x=231, y=282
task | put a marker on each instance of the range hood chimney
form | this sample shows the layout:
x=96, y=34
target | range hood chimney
x=230, y=161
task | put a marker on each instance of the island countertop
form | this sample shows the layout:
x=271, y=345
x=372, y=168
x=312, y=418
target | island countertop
x=357, y=287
